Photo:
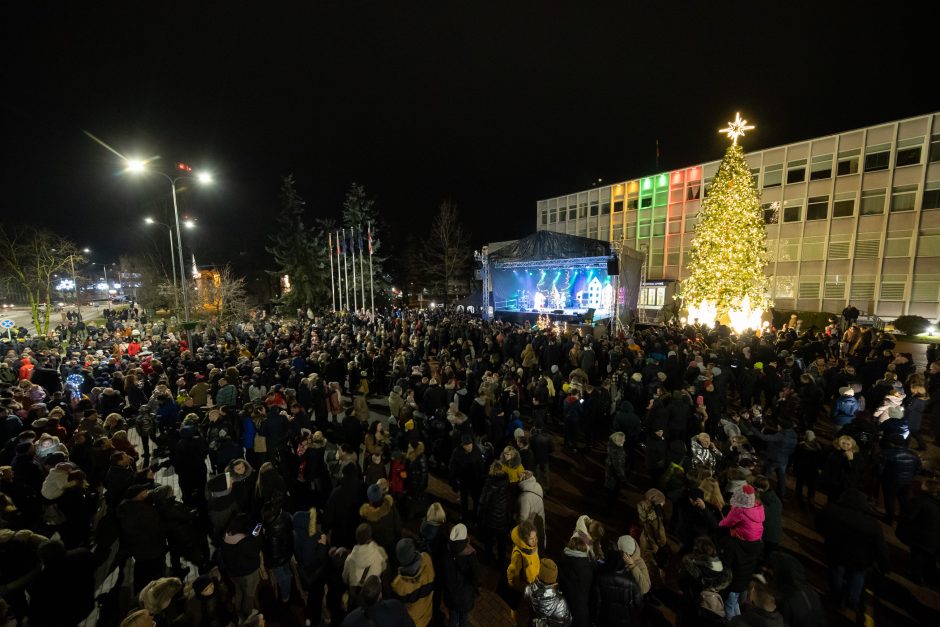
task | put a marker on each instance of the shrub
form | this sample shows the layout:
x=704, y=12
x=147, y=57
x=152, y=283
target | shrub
x=911, y=325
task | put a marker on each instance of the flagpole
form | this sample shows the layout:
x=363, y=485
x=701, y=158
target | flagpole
x=352, y=246
x=362, y=274
x=345, y=270
x=329, y=249
x=371, y=284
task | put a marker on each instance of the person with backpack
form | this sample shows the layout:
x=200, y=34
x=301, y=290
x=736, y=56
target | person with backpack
x=702, y=579
x=365, y=560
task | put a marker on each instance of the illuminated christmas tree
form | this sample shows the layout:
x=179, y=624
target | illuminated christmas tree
x=729, y=250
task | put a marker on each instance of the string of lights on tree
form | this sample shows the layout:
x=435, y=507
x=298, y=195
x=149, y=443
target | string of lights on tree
x=728, y=253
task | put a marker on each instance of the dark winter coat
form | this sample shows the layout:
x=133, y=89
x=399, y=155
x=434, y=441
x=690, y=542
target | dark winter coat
x=899, y=466
x=741, y=557
x=240, y=554
x=390, y=613
x=466, y=469
x=142, y=533
x=853, y=536
x=494, y=507
x=385, y=522
x=341, y=515
x=616, y=597
x=461, y=577
x=628, y=422
x=615, y=471
x=773, y=517
x=576, y=579
x=64, y=591
x=780, y=445
x=542, y=446
x=797, y=600
x=919, y=527
x=312, y=556
x=278, y=542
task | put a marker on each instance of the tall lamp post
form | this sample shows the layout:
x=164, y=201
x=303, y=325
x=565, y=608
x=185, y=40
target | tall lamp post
x=78, y=303
x=137, y=166
x=188, y=224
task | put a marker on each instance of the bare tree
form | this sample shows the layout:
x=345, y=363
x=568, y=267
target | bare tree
x=447, y=252
x=29, y=257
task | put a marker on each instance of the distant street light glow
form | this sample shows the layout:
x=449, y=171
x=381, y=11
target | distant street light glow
x=136, y=165
x=148, y=220
x=204, y=177
x=189, y=224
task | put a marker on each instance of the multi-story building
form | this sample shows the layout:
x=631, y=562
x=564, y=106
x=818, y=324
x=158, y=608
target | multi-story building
x=851, y=218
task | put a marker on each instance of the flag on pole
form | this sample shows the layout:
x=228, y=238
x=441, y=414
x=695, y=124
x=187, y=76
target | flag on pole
x=337, y=246
x=359, y=234
x=369, y=230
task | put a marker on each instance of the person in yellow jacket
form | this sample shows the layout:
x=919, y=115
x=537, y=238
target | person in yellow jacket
x=511, y=463
x=523, y=566
x=414, y=584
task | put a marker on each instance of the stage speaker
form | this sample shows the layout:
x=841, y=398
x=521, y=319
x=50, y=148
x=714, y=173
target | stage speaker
x=589, y=316
x=613, y=267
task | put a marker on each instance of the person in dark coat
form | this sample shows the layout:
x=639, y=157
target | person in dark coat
x=118, y=479
x=311, y=549
x=741, y=557
x=899, y=465
x=854, y=543
x=341, y=515
x=808, y=460
x=576, y=579
x=240, y=557
x=142, y=535
x=797, y=600
x=494, y=516
x=616, y=599
x=63, y=593
x=184, y=539
x=382, y=516
x=466, y=475
x=278, y=545
x=842, y=468
x=919, y=529
x=694, y=518
x=780, y=446
x=374, y=611
x=189, y=460
x=461, y=576
x=615, y=471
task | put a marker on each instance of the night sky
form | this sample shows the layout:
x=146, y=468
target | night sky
x=490, y=106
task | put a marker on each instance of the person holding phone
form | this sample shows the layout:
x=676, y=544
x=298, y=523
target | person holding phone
x=241, y=560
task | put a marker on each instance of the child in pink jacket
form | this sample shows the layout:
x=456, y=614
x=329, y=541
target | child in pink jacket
x=746, y=518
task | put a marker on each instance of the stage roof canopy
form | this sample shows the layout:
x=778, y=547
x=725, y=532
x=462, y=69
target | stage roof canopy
x=545, y=245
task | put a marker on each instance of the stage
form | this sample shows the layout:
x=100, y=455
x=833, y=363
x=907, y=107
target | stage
x=570, y=315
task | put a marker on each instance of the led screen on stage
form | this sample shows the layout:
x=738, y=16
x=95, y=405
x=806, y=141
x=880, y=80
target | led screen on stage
x=543, y=290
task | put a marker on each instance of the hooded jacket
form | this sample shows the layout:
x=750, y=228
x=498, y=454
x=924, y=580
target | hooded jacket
x=364, y=556
x=616, y=596
x=704, y=458
x=415, y=591
x=548, y=603
x=493, y=509
x=524, y=563
x=532, y=506
x=385, y=522
x=746, y=523
x=615, y=471
x=513, y=468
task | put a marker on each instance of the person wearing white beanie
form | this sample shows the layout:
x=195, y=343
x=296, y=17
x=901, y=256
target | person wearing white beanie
x=630, y=553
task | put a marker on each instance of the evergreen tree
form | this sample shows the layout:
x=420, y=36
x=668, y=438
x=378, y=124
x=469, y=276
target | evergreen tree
x=299, y=251
x=729, y=250
x=359, y=211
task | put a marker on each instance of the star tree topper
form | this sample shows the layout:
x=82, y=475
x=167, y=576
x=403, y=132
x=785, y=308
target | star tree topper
x=736, y=128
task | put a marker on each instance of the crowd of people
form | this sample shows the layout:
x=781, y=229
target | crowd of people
x=304, y=450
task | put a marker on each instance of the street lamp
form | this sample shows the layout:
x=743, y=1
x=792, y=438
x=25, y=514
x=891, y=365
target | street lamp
x=169, y=229
x=78, y=303
x=138, y=166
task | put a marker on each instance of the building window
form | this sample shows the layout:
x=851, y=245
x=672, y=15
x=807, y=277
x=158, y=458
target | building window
x=773, y=175
x=593, y=208
x=544, y=217
x=931, y=196
x=582, y=210
x=605, y=208
x=902, y=198
x=618, y=206
x=873, y=202
x=898, y=244
x=708, y=185
x=843, y=205
x=908, y=152
x=693, y=190
x=868, y=246
x=796, y=171
x=631, y=232
x=839, y=245
x=877, y=157
x=572, y=212
x=848, y=162
x=632, y=203
x=814, y=248
x=771, y=212
x=646, y=203
x=934, y=155
x=789, y=250
x=793, y=210
x=817, y=208
x=821, y=168
x=928, y=245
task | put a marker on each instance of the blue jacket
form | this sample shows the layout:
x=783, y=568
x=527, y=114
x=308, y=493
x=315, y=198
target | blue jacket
x=843, y=410
x=780, y=445
x=899, y=466
x=248, y=433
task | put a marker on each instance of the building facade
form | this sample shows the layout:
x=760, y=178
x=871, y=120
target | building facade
x=850, y=218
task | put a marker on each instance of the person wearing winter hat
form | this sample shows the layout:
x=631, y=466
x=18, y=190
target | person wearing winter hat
x=743, y=546
x=162, y=598
x=746, y=518
x=807, y=462
x=545, y=603
x=461, y=575
x=634, y=561
x=138, y=618
x=382, y=516
x=366, y=558
x=844, y=407
x=414, y=583
x=702, y=578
